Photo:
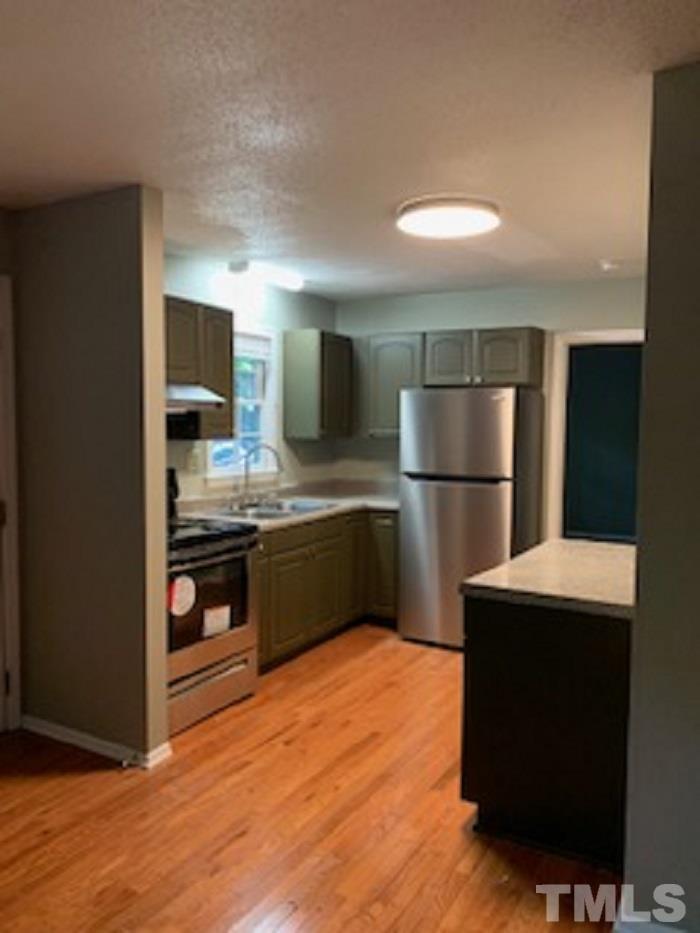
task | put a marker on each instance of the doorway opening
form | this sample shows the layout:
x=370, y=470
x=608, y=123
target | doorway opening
x=602, y=442
x=559, y=351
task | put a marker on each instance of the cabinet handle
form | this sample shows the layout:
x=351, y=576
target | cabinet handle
x=467, y=378
x=478, y=379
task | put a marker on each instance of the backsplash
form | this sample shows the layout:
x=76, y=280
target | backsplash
x=371, y=460
x=303, y=463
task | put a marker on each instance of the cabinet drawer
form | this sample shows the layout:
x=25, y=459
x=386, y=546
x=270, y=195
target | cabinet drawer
x=210, y=651
x=193, y=698
x=286, y=539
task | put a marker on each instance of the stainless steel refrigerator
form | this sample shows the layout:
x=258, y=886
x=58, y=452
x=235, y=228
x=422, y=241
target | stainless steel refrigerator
x=470, y=463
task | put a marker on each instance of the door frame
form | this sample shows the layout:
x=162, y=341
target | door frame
x=10, y=711
x=557, y=383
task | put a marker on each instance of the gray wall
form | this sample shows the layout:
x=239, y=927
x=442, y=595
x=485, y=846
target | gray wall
x=610, y=303
x=92, y=452
x=663, y=842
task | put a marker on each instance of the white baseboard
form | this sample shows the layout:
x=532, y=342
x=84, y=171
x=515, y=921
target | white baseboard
x=123, y=754
x=155, y=757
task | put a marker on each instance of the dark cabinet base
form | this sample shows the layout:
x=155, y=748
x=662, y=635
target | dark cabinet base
x=546, y=694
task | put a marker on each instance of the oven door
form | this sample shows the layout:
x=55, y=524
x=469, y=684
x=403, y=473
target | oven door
x=207, y=599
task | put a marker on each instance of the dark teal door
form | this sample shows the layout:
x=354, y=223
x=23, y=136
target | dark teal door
x=602, y=442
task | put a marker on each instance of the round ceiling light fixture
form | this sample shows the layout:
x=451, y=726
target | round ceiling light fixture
x=447, y=217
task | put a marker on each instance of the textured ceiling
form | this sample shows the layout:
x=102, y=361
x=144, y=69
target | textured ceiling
x=288, y=130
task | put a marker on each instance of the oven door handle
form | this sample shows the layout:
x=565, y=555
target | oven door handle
x=215, y=561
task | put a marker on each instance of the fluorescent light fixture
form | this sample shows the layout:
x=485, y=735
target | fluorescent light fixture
x=446, y=217
x=609, y=265
x=268, y=274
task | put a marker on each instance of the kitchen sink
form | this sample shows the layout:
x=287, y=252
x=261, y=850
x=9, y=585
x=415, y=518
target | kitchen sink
x=282, y=508
x=307, y=505
x=263, y=512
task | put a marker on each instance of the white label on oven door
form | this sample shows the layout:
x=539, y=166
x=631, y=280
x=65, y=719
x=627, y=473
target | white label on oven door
x=183, y=595
x=217, y=620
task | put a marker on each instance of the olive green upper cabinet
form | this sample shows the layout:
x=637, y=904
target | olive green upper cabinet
x=317, y=385
x=183, y=335
x=509, y=356
x=449, y=358
x=395, y=362
x=216, y=367
x=199, y=344
x=336, y=388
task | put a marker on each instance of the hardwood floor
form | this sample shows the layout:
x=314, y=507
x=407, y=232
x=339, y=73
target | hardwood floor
x=329, y=802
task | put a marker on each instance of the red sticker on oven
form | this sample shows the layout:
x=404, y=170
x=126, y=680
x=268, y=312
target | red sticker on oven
x=183, y=595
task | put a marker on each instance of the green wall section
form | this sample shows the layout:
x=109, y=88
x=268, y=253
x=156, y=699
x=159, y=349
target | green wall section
x=89, y=333
x=594, y=305
x=663, y=840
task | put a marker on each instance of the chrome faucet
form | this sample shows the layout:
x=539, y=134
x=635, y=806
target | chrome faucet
x=245, y=500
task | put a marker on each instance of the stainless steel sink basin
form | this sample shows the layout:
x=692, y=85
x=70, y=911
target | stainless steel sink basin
x=307, y=505
x=283, y=508
x=259, y=512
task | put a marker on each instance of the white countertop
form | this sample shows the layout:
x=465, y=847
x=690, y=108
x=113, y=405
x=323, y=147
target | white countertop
x=591, y=576
x=338, y=505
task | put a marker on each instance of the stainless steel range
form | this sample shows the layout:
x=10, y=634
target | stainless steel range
x=212, y=641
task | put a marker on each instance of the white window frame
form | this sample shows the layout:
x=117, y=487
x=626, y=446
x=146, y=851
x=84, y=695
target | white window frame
x=218, y=477
x=555, y=433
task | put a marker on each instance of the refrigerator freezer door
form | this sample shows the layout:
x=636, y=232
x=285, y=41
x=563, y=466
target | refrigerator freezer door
x=458, y=432
x=448, y=531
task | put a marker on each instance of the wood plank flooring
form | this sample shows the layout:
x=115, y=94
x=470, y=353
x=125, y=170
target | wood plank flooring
x=329, y=802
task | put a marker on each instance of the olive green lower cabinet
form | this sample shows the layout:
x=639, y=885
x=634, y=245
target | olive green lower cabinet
x=382, y=596
x=311, y=580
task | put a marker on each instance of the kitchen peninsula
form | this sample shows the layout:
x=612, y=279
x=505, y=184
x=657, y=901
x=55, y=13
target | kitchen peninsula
x=546, y=694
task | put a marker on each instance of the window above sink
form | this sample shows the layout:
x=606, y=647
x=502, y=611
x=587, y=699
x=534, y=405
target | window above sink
x=255, y=394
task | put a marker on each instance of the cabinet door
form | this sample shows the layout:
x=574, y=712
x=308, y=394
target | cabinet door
x=216, y=370
x=336, y=385
x=259, y=603
x=509, y=356
x=302, y=384
x=395, y=363
x=449, y=358
x=291, y=602
x=182, y=341
x=353, y=567
x=325, y=585
x=383, y=570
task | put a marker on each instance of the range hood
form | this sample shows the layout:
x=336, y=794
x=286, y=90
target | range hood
x=180, y=398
